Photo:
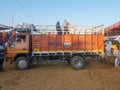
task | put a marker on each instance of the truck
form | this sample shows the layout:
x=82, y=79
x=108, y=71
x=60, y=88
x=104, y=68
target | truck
x=24, y=49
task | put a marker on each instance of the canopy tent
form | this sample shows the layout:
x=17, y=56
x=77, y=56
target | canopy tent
x=113, y=30
x=115, y=26
x=4, y=27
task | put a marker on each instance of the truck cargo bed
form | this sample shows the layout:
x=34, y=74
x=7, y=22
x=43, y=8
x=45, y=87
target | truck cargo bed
x=67, y=42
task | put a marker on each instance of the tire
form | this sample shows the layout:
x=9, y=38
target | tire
x=77, y=62
x=22, y=63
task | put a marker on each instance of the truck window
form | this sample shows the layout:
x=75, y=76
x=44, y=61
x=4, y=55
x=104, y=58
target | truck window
x=12, y=41
x=21, y=38
x=17, y=39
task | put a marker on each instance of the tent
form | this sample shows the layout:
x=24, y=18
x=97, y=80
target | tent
x=113, y=27
x=113, y=30
x=4, y=27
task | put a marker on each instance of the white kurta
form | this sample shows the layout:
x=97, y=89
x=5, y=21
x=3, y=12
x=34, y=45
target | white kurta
x=117, y=59
x=108, y=47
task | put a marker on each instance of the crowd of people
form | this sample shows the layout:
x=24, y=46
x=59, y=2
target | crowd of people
x=4, y=37
x=2, y=54
x=116, y=52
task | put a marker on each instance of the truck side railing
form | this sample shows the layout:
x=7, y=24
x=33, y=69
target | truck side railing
x=77, y=29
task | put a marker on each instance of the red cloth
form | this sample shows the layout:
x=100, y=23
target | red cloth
x=1, y=34
x=10, y=34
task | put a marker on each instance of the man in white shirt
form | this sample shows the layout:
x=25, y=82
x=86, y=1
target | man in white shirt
x=116, y=57
x=108, y=47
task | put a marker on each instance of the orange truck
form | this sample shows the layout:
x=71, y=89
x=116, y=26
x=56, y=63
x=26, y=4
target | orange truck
x=24, y=49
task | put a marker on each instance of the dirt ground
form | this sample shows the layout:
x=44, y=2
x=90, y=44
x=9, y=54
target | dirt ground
x=95, y=76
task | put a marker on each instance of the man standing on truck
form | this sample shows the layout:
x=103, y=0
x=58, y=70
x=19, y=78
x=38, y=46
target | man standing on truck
x=58, y=28
x=66, y=27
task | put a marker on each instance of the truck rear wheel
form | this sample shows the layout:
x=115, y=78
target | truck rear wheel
x=77, y=62
x=22, y=63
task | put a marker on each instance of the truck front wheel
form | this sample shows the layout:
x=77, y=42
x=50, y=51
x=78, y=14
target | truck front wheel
x=77, y=62
x=22, y=63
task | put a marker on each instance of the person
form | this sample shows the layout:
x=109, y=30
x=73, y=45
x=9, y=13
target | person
x=2, y=55
x=58, y=28
x=108, y=47
x=66, y=27
x=116, y=57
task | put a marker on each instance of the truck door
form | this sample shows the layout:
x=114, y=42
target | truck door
x=19, y=43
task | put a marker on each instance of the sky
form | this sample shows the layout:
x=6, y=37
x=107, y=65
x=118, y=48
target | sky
x=48, y=12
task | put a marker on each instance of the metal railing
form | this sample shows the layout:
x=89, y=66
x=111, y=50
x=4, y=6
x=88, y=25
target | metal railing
x=76, y=29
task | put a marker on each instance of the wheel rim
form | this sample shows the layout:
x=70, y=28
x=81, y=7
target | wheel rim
x=78, y=63
x=22, y=64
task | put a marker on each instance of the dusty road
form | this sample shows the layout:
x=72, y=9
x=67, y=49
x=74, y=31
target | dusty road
x=95, y=76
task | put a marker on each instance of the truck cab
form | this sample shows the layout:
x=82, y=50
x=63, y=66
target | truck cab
x=17, y=46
